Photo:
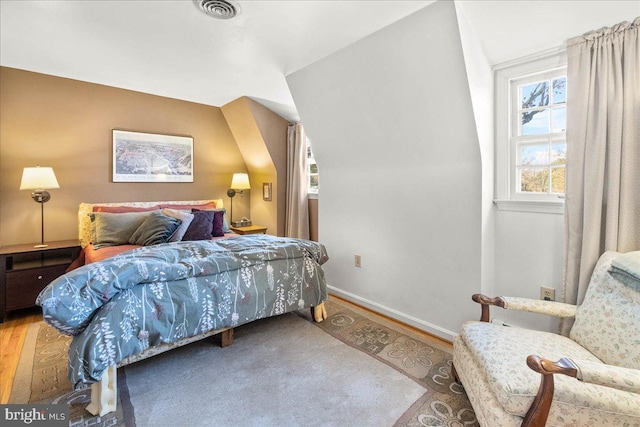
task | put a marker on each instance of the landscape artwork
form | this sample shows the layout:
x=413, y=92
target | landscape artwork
x=147, y=157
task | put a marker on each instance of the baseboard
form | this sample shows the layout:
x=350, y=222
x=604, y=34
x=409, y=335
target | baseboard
x=394, y=314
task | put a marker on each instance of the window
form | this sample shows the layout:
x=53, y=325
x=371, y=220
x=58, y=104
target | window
x=538, y=143
x=312, y=171
x=530, y=129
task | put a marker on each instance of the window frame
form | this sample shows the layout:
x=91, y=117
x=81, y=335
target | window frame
x=516, y=141
x=535, y=67
x=311, y=160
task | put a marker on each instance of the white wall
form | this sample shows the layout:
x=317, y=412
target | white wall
x=394, y=136
x=480, y=76
x=529, y=253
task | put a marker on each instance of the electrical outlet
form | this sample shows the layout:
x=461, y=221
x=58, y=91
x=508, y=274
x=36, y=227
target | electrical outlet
x=358, y=260
x=547, y=294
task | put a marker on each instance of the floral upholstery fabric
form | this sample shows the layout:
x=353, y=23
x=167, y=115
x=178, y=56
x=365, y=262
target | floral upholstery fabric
x=501, y=352
x=490, y=412
x=609, y=375
x=604, y=343
x=607, y=322
x=84, y=222
x=552, y=308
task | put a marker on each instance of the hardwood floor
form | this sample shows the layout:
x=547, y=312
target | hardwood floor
x=422, y=333
x=14, y=330
x=12, y=334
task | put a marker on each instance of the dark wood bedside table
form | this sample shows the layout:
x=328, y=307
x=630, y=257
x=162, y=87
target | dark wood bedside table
x=25, y=271
x=252, y=229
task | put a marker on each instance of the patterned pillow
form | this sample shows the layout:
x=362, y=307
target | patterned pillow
x=188, y=207
x=200, y=227
x=186, y=219
x=124, y=209
x=156, y=229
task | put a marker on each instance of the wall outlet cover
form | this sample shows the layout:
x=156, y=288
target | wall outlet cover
x=547, y=294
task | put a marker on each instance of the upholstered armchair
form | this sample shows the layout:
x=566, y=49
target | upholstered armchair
x=521, y=377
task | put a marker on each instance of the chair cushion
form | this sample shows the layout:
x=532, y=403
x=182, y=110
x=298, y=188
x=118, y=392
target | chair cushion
x=501, y=352
x=608, y=321
x=613, y=408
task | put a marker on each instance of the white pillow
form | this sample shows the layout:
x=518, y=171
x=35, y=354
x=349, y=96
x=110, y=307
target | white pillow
x=183, y=216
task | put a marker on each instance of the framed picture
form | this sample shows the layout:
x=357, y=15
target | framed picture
x=150, y=157
x=266, y=191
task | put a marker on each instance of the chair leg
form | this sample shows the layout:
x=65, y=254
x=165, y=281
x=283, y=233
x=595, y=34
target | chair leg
x=456, y=378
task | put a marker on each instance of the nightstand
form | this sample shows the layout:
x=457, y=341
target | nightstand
x=252, y=229
x=25, y=271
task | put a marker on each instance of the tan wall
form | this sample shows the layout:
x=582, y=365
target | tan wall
x=67, y=124
x=261, y=136
x=273, y=129
x=313, y=219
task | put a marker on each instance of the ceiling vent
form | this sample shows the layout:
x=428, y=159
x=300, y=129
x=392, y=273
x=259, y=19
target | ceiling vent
x=220, y=9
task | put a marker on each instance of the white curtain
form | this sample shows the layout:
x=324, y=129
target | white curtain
x=297, y=210
x=602, y=206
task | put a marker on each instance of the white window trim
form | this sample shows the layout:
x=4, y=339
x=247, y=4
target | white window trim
x=504, y=74
x=313, y=194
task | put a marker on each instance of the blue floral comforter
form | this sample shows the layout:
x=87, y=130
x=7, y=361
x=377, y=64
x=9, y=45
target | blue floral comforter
x=160, y=294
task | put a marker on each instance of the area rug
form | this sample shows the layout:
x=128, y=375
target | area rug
x=351, y=369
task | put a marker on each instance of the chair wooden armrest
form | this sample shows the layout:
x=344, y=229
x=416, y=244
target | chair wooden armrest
x=539, y=411
x=551, y=308
x=592, y=372
x=486, y=301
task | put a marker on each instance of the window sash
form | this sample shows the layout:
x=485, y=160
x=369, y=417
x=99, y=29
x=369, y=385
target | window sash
x=517, y=140
x=312, y=176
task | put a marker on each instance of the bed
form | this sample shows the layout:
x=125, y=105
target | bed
x=134, y=300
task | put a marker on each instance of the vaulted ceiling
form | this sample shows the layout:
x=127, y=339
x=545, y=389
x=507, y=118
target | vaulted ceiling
x=172, y=49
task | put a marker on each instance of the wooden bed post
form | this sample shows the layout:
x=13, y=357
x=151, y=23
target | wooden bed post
x=226, y=338
x=319, y=313
x=104, y=393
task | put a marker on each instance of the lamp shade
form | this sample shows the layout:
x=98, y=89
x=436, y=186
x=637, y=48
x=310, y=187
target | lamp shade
x=38, y=179
x=240, y=181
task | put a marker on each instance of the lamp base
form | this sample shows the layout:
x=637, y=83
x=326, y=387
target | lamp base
x=40, y=246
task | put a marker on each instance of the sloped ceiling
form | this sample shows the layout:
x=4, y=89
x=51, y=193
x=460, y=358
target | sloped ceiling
x=169, y=48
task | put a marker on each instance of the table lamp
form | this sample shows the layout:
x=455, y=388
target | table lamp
x=39, y=179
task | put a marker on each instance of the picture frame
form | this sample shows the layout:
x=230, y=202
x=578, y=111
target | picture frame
x=151, y=157
x=266, y=191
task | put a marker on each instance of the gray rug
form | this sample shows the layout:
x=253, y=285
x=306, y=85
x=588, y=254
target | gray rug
x=348, y=370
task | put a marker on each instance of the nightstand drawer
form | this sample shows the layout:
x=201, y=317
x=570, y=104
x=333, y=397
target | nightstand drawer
x=25, y=285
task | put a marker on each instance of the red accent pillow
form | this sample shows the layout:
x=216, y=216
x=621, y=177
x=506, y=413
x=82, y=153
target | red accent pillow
x=210, y=205
x=123, y=209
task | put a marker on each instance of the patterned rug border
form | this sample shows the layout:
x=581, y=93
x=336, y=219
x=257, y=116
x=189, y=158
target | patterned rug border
x=438, y=407
x=21, y=389
x=387, y=324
